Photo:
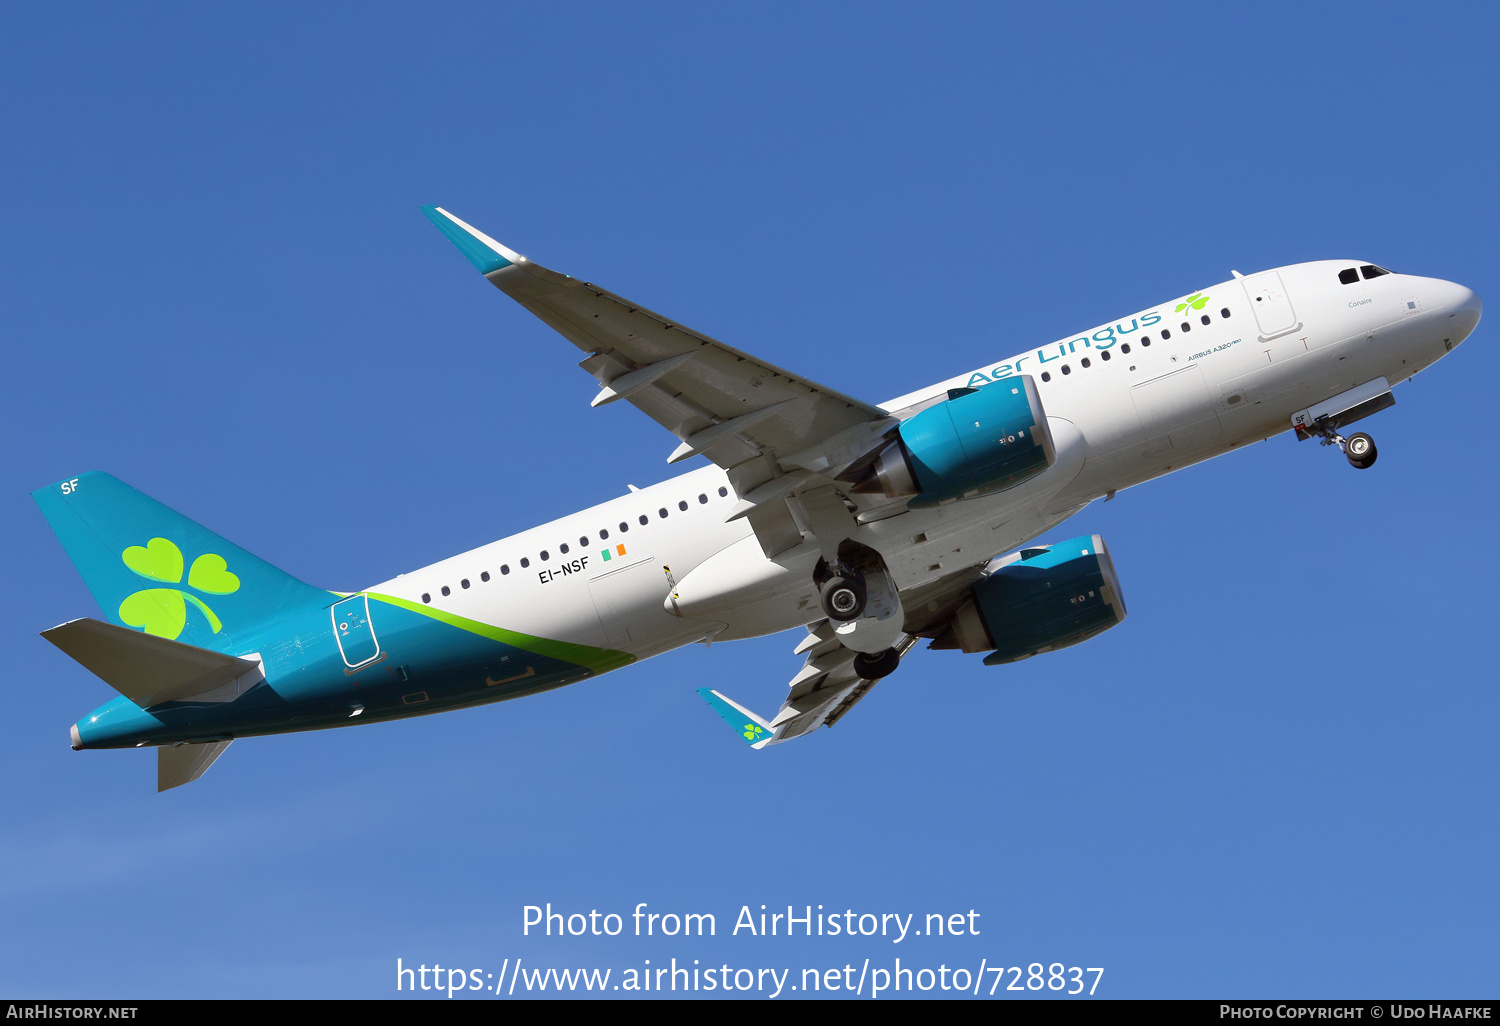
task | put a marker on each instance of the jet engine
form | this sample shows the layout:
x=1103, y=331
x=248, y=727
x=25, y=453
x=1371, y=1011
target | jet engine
x=1038, y=600
x=977, y=441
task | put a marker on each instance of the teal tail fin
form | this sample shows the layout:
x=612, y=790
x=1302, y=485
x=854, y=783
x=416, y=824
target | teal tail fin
x=152, y=569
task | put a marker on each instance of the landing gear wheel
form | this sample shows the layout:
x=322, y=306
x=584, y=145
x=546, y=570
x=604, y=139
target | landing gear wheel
x=843, y=598
x=1360, y=448
x=881, y=664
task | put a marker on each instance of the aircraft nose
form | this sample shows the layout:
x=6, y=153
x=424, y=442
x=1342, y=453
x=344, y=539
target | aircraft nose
x=1464, y=311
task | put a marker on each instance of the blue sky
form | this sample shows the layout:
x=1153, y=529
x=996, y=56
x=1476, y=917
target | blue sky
x=1277, y=778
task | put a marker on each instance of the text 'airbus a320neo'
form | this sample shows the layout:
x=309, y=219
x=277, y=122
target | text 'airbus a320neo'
x=872, y=526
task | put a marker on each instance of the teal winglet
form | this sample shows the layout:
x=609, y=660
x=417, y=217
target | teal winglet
x=478, y=248
x=753, y=730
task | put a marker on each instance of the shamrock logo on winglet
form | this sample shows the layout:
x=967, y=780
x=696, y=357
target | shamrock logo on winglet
x=1197, y=301
x=752, y=732
x=163, y=611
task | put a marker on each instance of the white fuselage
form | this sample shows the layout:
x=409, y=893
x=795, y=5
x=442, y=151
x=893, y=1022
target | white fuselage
x=1293, y=337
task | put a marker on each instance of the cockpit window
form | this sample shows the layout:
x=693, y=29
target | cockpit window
x=1371, y=271
x=1348, y=276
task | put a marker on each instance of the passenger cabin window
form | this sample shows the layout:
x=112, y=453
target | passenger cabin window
x=546, y=555
x=1371, y=271
x=624, y=527
x=563, y=548
x=682, y=505
x=703, y=497
x=1125, y=349
x=484, y=576
x=1224, y=313
x=1085, y=361
x=583, y=541
x=723, y=492
x=525, y=562
x=464, y=583
x=1046, y=375
x=1348, y=276
x=447, y=590
x=504, y=568
x=1104, y=356
x=1204, y=318
x=662, y=512
x=1066, y=370
x=604, y=533
x=426, y=597
x=644, y=520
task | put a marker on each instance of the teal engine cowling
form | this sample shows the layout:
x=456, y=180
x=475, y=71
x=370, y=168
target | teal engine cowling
x=977, y=441
x=1038, y=600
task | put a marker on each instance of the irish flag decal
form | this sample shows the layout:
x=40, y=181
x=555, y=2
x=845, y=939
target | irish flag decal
x=608, y=555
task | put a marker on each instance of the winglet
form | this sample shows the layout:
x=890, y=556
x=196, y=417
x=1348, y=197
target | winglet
x=480, y=250
x=756, y=732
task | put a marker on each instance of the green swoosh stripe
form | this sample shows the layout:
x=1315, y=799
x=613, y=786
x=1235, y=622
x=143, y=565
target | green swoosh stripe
x=599, y=660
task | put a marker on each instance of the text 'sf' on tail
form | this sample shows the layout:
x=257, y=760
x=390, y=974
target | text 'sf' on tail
x=153, y=569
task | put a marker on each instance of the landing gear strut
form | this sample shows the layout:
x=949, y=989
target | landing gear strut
x=1358, y=447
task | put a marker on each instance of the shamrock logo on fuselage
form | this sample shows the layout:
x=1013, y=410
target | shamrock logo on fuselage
x=1197, y=301
x=163, y=611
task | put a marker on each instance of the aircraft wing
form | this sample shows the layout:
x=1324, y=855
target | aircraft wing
x=820, y=694
x=718, y=401
x=828, y=686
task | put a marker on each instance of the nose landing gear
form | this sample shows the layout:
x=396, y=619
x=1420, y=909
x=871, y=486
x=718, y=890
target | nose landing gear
x=1358, y=447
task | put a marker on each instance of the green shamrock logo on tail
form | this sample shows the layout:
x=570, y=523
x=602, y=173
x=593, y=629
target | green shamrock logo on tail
x=1197, y=301
x=163, y=611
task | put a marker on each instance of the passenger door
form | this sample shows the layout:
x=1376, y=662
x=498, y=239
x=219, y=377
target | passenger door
x=1272, y=306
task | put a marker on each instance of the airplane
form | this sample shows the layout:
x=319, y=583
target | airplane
x=872, y=527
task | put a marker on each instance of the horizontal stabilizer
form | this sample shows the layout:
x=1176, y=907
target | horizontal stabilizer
x=756, y=731
x=184, y=763
x=146, y=669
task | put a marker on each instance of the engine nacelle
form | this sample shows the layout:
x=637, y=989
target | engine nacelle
x=1038, y=600
x=985, y=440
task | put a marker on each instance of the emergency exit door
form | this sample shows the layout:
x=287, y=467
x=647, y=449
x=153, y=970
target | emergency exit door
x=354, y=632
